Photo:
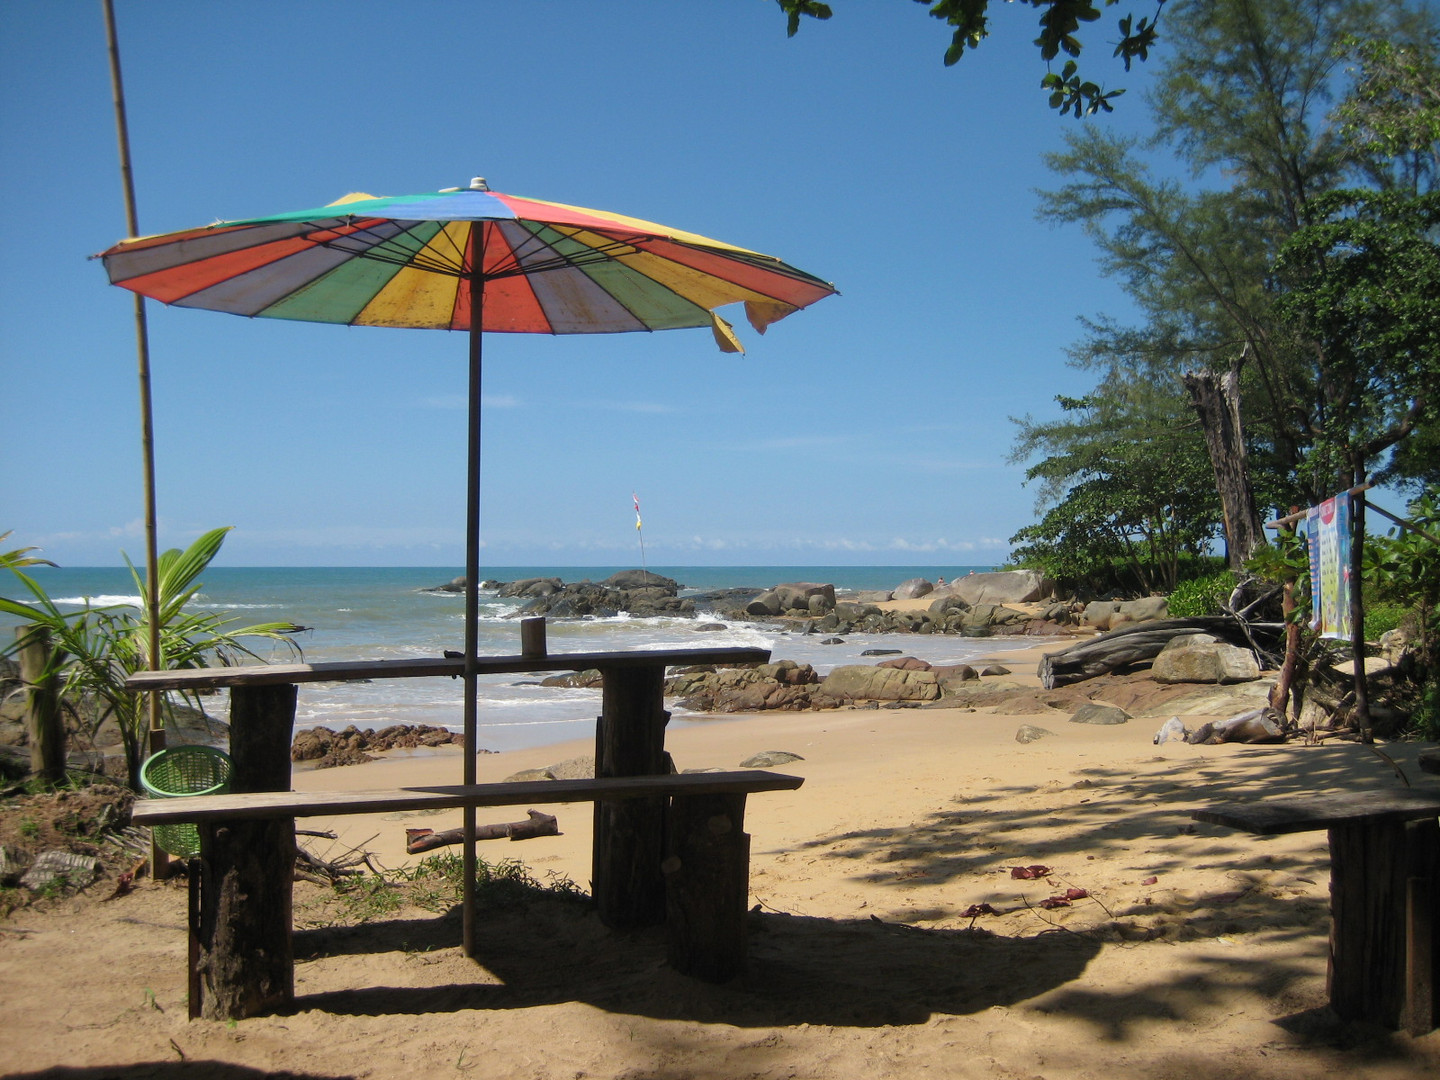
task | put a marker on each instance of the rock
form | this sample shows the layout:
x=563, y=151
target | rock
x=782, y=685
x=528, y=774
x=589, y=679
x=872, y=596
x=1095, y=713
x=947, y=603
x=1003, y=587
x=1113, y=614
x=860, y=682
x=835, y=641
x=769, y=759
x=454, y=585
x=913, y=589
x=530, y=587
x=907, y=663
x=767, y=603
x=640, y=579
x=1029, y=733
x=576, y=768
x=1205, y=662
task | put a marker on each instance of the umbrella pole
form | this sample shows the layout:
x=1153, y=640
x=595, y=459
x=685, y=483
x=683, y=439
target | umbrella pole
x=472, y=591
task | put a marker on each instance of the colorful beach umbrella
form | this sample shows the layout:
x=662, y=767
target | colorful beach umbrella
x=466, y=259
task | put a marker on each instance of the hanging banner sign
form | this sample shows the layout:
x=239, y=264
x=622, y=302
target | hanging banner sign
x=1328, y=534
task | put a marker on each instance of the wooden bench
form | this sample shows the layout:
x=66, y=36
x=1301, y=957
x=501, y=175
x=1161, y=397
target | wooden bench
x=705, y=866
x=1384, y=895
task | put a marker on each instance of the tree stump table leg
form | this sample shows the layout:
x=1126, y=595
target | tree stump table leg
x=1382, y=934
x=707, y=877
x=247, y=959
x=629, y=840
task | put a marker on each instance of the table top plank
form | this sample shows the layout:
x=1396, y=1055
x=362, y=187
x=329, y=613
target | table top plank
x=431, y=667
x=1271, y=817
x=267, y=805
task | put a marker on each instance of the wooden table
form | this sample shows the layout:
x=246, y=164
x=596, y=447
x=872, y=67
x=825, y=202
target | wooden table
x=1384, y=895
x=252, y=863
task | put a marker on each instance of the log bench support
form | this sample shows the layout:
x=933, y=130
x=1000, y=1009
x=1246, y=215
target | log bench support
x=245, y=922
x=1384, y=964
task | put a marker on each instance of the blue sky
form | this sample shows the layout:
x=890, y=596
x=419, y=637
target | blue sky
x=871, y=428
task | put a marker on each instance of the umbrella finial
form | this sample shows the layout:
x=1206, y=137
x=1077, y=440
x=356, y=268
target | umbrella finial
x=478, y=184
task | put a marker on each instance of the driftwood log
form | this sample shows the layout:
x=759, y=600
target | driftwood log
x=538, y=824
x=1143, y=641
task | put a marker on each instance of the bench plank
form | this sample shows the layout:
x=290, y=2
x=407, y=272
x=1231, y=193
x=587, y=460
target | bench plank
x=289, y=804
x=431, y=667
x=1271, y=817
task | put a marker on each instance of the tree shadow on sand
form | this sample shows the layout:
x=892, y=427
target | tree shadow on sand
x=838, y=972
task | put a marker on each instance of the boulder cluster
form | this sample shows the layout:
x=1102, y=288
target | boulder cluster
x=327, y=748
x=638, y=592
x=790, y=686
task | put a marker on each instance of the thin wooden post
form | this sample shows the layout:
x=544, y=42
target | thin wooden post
x=1382, y=942
x=532, y=636
x=44, y=725
x=629, y=843
x=246, y=954
x=707, y=871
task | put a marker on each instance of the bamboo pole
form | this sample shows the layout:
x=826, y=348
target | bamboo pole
x=156, y=740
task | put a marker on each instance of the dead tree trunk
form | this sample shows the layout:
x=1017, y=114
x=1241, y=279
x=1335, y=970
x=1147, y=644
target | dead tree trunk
x=1132, y=644
x=1216, y=398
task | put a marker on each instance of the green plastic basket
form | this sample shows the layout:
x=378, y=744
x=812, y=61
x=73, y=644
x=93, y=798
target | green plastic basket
x=178, y=771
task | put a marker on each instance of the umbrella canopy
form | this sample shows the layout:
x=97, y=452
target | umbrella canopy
x=410, y=261
x=465, y=259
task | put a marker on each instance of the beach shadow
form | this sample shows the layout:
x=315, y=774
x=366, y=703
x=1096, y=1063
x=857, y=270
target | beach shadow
x=1145, y=819
x=179, y=1070
x=836, y=972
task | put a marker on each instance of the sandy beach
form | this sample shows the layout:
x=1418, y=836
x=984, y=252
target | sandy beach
x=1196, y=952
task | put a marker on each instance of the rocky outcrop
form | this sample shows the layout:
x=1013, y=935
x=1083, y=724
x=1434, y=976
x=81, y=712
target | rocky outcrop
x=636, y=592
x=785, y=685
x=1200, y=658
x=1002, y=587
x=1106, y=615
x=802, y=598
x=858, y=682
x=913, y=589
x=328, y=748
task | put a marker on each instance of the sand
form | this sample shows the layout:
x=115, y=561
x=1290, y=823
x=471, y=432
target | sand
x=1197, y=953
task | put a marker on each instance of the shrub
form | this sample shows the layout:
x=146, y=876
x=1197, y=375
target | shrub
x=1202, y=596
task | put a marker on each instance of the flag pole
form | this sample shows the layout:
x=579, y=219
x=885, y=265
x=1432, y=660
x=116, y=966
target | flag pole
x=640, y=532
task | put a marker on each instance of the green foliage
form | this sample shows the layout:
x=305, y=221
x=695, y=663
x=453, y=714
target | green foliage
x=1060, y=23
x=436, y=883
x=1381, y=618
x=96, y=649
x=1132, y=496
x=1202, y=596
x=1359, y=289
x=1404, y=567
x=1391, y=117
x=20, y=556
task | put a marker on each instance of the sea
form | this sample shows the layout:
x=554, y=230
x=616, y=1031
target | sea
x=383, y=613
